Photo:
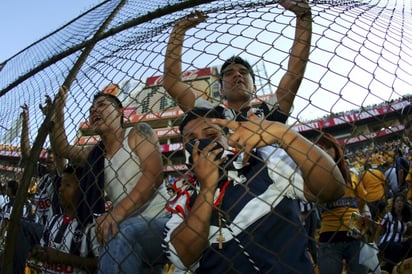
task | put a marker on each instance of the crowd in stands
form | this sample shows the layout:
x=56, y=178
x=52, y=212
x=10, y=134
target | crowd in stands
x=379, y=192
x=253, y=187
x=359, y=110
x=380, y=158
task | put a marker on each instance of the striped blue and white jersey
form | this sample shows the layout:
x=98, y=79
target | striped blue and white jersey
x=67, y=235
x=262, y=228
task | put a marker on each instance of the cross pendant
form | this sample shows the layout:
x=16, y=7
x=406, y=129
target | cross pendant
x=220, y=240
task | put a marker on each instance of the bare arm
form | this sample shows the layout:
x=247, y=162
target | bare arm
x=299, y=55
x=54, y=256
x=181, y=92
x=323, y=180
x=190, y=238
x=58, y=137
x=59, y=161
x=144, y=144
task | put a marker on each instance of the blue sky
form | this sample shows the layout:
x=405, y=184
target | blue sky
x=22, y=22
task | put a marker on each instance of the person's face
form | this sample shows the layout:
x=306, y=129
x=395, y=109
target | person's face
x=399, y=203
x=50, y=163
x=103, y=114
x=69, y=186
x=237, y=83
x=201, y=128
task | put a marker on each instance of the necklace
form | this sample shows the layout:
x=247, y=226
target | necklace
x=183, y=190
x=217, y=206
x=220, y=238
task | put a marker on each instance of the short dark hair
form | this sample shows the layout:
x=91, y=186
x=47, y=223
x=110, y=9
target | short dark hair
x=398, y=152
x=13, y=186
x=236, y=60
x=76, y=171
x=113, y=99
x=109, y=97
x=199, y=112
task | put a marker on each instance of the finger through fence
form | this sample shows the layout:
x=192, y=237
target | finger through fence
x=214, y=136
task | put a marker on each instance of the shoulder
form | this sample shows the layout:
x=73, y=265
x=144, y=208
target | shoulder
x=53, y=221
x=142, y=128
x=90, y=227
x=139, y=133
x=142, y=139
x=201, y=102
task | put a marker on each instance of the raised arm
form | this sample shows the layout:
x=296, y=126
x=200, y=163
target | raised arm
x=59, y=161
x=58, y=137
x=144, y=143
x=181, y=92
x=299, y=54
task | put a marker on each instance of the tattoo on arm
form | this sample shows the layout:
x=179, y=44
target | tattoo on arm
x=145, y=130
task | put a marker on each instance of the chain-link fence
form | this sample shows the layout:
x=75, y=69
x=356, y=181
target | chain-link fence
x=340, y=66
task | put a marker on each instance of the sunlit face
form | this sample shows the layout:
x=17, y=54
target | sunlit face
x=104, y=115
x=201, y=128
x=237, y=83
x=68, y=189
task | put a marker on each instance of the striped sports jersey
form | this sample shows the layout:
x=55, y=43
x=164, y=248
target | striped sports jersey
x=67, y=235
x=45, y=197
x=262, y=230
x=268, y=110
x=394, y=229
x=8, y=209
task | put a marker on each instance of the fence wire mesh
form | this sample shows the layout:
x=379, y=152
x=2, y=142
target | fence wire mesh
x=360, y=59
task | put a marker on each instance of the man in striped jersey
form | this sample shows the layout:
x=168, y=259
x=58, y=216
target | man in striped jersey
x=236, y=77
x=241, y=214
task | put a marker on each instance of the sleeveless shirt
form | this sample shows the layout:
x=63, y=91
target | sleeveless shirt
x=122, y=172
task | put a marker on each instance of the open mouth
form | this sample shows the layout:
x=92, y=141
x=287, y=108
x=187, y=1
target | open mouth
x=96, y=120
x=239, y=82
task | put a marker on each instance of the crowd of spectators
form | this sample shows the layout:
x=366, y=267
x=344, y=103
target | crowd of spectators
x=240, y=209
x=381, y=203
